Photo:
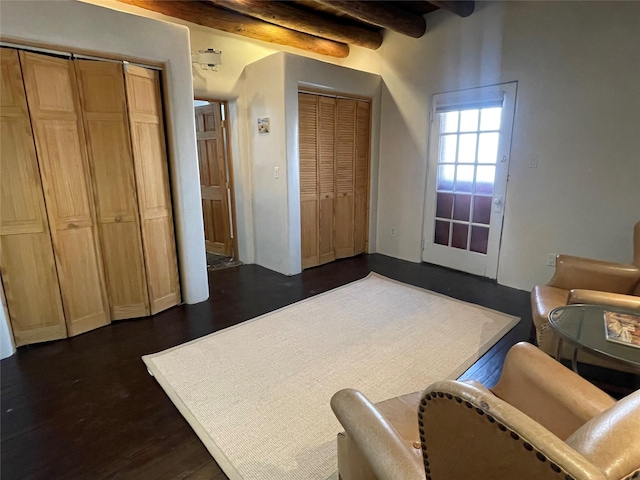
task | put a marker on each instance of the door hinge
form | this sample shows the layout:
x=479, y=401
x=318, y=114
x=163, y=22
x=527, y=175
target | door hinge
x=423, y=244
x=226, y=184
x=223, y=123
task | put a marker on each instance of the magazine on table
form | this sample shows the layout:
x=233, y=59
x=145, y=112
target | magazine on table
x=622, y=328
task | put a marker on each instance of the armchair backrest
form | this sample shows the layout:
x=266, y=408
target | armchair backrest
x=541, y=421
x=473, y=434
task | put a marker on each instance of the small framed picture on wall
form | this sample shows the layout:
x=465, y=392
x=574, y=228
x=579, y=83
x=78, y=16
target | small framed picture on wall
x=263, y=125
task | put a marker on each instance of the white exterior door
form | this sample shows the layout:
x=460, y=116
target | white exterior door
x=469, y=147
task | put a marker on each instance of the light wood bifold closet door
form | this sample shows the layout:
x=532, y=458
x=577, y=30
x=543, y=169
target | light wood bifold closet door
x=52, y=96
x=26, y=254
x=334, y=138
x=345, y=162
x=361, y=182
x=154, y=199
x=326, y=177
x=106, y=125
x=307, y=131
x=317, y=178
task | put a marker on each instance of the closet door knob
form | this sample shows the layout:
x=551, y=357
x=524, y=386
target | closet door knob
x=118, y=219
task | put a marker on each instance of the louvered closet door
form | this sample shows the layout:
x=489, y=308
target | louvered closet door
x=326, y=172
x=52, y=95
x=345, y=165
x=107, y=131
x=26, y=253
x=361, y=195
x=152, y=178
x=308, y=144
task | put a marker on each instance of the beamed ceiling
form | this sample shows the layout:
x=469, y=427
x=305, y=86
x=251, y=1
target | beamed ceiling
x=326, y=27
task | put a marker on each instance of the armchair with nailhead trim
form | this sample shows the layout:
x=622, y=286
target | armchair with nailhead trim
x=540, y=421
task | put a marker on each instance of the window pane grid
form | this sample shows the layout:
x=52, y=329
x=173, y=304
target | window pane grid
x=466, y=172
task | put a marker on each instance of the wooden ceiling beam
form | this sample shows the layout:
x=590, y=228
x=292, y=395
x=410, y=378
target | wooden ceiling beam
x=284, y=15
x=205, y=14
x=463, y=8
x=381, y=14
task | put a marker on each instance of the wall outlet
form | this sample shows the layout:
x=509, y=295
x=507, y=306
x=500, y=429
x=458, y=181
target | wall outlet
x=393, y=231
x=551, y=259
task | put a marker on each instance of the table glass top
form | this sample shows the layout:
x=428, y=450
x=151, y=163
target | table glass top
x=584, y=326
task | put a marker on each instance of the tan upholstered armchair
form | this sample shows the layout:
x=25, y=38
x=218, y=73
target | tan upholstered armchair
x=582, y=280
x=541, y=421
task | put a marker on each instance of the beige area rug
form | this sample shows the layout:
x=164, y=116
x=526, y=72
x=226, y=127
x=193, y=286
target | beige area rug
x=257, y=394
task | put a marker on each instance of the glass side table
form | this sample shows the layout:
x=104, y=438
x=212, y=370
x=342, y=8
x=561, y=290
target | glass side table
x=582, y=326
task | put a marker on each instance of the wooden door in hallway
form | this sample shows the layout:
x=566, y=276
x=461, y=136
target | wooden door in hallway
x=214, y=179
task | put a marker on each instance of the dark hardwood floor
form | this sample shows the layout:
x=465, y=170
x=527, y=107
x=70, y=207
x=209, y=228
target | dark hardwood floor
x=86, y=408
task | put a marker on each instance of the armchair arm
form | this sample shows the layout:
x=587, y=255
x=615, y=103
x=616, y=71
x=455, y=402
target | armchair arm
x=547, y=391
x=585, y=273
x=377, y=438
x=611, y=441
x=470, y=433
x=594, y=297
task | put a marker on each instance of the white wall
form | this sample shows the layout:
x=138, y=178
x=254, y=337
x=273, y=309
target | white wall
x=264, y=97
x=578, y=110
x=78, y=25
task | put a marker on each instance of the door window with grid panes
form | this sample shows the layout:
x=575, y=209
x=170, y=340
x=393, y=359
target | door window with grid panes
x=468, y=162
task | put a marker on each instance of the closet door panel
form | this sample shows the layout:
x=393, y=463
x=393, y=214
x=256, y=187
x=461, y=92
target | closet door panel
x=53, y=103
x=308, y=145
x=327, y=177
x=78, y=270
x=165, y=290
x=107, y=131
x=31, y=288
x=22, y=206
x=62, y=165
x=152, y=179
x=361, y=182
x=26, y=253
x=125, y=270
x=345, y=164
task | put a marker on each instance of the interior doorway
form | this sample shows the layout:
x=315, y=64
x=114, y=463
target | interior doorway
x=216, y=181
